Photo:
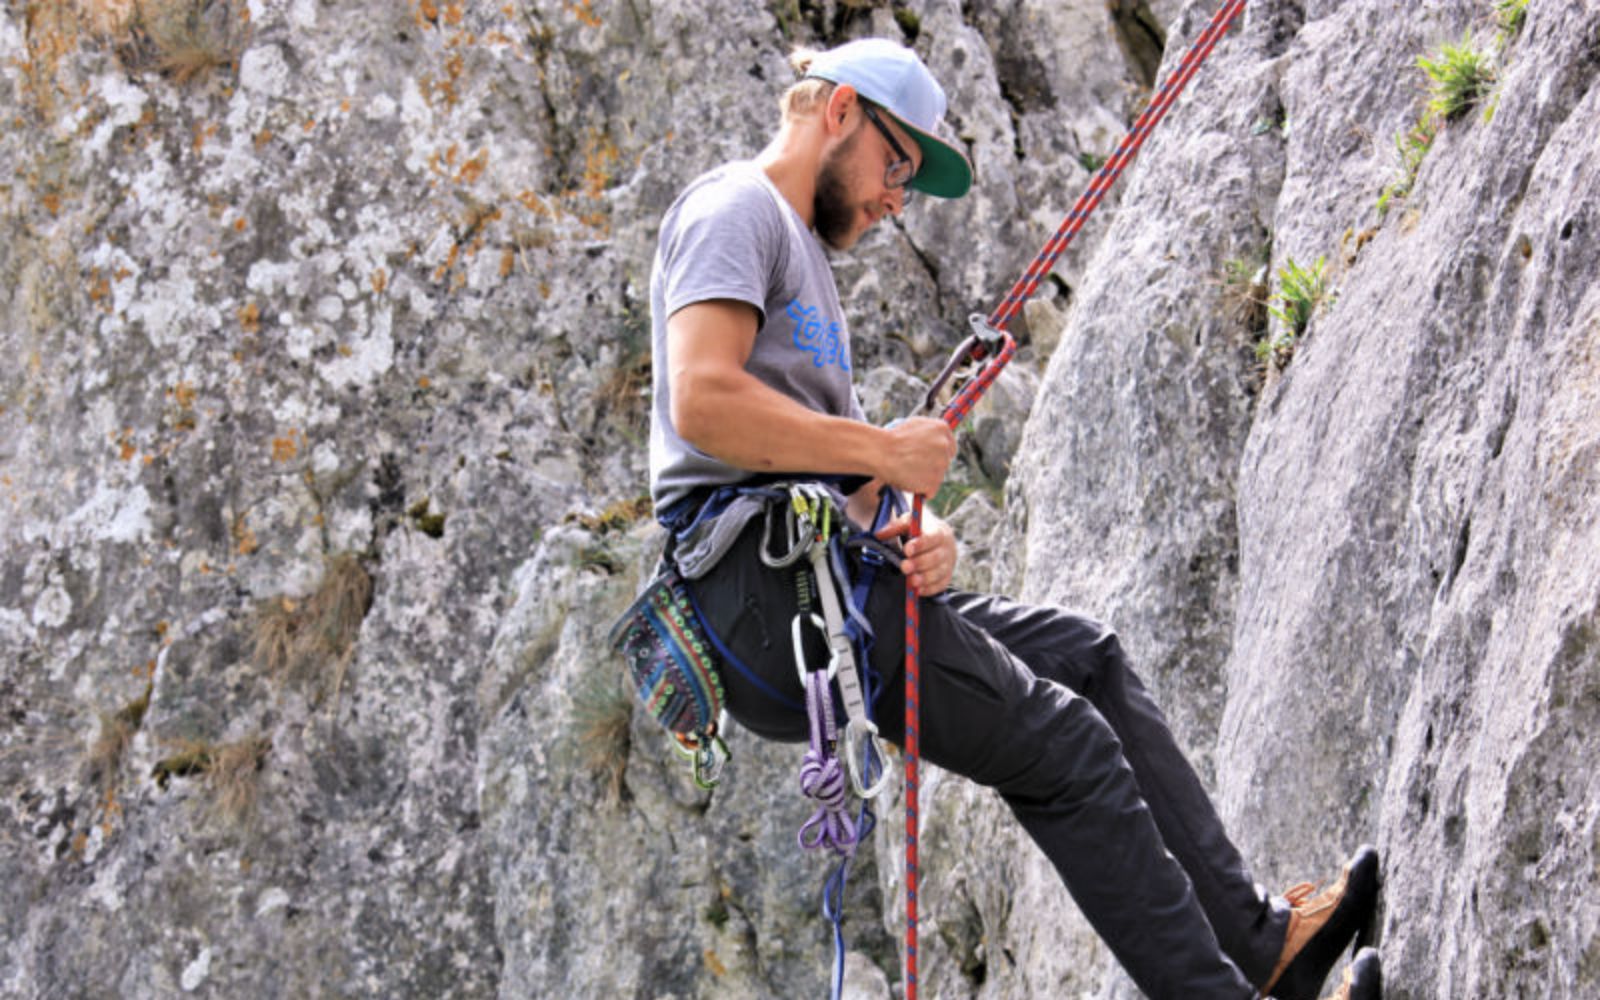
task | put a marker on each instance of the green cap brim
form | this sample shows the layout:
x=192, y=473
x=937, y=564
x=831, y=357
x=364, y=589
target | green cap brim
x=945, y=172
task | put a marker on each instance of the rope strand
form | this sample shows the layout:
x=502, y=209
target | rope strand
x=969, y=395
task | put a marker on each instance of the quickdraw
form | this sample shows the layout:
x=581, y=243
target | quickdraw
x=993, y=348
x=809, y=520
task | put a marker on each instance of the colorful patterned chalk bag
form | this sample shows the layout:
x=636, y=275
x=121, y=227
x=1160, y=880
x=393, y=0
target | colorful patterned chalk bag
x=674, y=669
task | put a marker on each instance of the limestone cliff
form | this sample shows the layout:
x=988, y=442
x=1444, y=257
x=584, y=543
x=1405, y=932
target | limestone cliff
x=322, y=445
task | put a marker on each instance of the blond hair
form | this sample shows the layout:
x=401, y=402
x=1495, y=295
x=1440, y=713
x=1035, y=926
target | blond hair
x=807, y=95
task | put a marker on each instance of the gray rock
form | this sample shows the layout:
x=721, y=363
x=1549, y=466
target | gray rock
x=328, y=285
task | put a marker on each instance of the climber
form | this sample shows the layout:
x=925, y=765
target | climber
x=752, y=381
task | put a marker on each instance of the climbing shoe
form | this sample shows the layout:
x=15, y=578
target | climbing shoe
x=1321, y=925
x=1363, y=978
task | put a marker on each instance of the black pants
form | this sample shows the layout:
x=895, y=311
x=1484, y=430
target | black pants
x=1042, y=706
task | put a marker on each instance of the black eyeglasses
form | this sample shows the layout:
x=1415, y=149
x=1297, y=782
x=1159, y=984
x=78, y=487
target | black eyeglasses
x=898, y=173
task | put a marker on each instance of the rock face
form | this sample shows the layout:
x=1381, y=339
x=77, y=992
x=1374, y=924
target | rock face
x=323, y=444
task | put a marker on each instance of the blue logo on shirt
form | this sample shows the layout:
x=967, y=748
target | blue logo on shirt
x=817, y=335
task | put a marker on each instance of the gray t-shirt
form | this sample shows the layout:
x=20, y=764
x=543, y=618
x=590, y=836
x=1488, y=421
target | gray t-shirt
x=731, y=235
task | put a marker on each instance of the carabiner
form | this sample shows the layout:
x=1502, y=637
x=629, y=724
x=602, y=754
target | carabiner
x=799, y=539
x=800, y=649
x=867, y=732
x=702, y=750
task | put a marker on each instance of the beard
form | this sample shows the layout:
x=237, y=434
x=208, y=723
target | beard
x=832, y=213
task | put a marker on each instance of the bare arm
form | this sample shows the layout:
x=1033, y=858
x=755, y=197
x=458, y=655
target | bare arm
x=729, y=414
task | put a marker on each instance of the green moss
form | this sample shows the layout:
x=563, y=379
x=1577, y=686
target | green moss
x=718, y=914
x=910, y=24
x=426, y=520
x=193, y=757
x=133, y=712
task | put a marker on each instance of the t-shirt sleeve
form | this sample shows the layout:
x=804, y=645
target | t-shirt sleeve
x=723, y=243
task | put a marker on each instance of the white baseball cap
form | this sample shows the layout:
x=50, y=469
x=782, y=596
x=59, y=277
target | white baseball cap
x=893, y=78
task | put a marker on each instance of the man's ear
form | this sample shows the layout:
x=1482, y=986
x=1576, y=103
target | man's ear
x=837, y=110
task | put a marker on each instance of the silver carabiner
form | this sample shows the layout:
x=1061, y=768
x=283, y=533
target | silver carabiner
x=867, y=733
x=800, y=649
x=798, y=540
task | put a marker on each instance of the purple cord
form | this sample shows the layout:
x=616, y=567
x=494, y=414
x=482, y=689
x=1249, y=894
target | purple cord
x=822, y=778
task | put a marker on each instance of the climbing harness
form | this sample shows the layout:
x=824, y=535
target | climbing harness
x=991, y=348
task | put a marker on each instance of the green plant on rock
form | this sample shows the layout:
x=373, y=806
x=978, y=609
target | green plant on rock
x=1459, y=76
x=1412, y=146
x=1301, y=292
x=1509, y=15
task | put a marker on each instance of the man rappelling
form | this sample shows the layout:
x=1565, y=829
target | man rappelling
x=755, y=418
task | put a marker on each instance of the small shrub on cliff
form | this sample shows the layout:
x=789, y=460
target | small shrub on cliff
x=1459, y=76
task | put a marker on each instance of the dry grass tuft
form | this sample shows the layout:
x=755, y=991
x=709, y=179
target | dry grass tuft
x=311, y=641
x=108, y=17
x=231, y=771
x=619, y=516
x=234, y=778
x=272, y=640
x=603, y=711
x=184, y=40
x=189, y=758
x=104, y=758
